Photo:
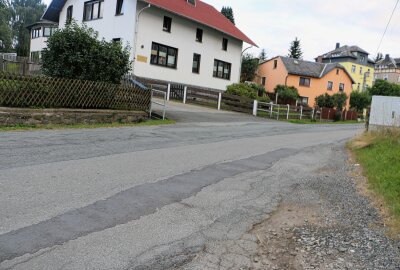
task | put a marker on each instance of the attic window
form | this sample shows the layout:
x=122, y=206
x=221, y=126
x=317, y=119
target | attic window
x=192, y=2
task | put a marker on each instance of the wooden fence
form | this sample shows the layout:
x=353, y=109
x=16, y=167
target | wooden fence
x=330, y=114
x=46, y=92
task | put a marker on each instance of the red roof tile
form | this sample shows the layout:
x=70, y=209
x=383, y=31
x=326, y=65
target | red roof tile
x=204, y=14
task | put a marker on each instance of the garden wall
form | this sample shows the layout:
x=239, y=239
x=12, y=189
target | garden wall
x=26, y=116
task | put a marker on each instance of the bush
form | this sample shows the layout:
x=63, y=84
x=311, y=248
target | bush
x=339, y=100
x=75, y=52
x=242, y=89
x=287, y=92
x=265, y=99
x=359, y=100
x=384, y=88
x=325, y=101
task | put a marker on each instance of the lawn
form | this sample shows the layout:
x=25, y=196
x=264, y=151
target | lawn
x=77, y=126
x=379, y=155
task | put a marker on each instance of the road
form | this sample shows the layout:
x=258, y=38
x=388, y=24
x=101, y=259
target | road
x=150, y=197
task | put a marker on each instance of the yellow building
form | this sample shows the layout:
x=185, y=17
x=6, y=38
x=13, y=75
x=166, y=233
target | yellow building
x=356, y=62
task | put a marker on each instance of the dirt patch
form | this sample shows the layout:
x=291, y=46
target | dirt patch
x=278, y=248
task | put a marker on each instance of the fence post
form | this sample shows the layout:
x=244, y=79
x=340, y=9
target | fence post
x=184, y=94
x=288, y=110
x=313, y=114
x=301, y=112
x=255, y=107
x=279, y=109
x=270, y=109
x=219, y=100
x=168, y=91
x=151, y=100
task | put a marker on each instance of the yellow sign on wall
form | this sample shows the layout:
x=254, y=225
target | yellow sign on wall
x=141, y=58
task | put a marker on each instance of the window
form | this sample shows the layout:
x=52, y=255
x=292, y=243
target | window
x=225, y=44
x=303, y=101
x=199, y=35
x=222, y=69
x=69, y=14
x=196, y=63
x=385, y=77
x=275, y=64
x=35, y=56
x=93, y=10
x=305, y=82
x=120, y=7
x=162, y=55
x=337, y=71
x=330, y=86
x=193, y=2
x=353, y=69
x=360, y=70
x=36, y=32
x=263, y=80
x=167, y=24
x=116, y=39
x=48, y=31
x=341, y=87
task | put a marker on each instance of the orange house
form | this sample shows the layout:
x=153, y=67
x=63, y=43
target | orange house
x=310, y=78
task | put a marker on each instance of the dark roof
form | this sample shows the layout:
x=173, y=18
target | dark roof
x=41, y=22
x=389, y=61
x=201, y=12
x=344, y=51
x=310, y=69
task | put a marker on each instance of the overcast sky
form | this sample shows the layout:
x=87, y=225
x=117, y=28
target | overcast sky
x=319, y=24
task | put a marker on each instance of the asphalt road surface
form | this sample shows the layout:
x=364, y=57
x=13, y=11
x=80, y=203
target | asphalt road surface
x=149, y=197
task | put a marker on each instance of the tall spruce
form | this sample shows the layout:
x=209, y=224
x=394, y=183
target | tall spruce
x=262, y=56
x=5, y=28
x=228, y=12
x=25, y=12
x=295, y=50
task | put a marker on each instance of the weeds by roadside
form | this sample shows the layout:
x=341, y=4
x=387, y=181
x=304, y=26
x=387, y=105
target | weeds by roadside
x=378, y=154
x=308, y=121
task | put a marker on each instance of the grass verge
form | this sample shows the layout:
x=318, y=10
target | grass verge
x=304, y=121
x=79, y=126
x=378, y=154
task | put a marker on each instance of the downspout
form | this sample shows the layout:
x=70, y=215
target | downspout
x=135, y=36
x=241, y=60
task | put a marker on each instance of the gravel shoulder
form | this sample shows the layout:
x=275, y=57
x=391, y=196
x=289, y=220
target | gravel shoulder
x=323, y=221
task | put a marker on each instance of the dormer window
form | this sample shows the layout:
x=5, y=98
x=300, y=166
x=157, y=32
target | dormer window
x=167, y=24
x=192, y=2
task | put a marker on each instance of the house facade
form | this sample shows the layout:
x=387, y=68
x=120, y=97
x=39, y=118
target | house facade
x=355, y=60
x=39, y=33
x=388, y=69
x=180, y=41
x=310, y=78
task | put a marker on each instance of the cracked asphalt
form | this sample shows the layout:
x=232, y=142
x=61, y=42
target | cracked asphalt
x=183, y=196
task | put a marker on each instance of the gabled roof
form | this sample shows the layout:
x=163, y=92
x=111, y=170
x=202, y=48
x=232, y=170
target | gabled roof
x=389, y=62
x=310, y=69
x=344, y=51
x=202, y=13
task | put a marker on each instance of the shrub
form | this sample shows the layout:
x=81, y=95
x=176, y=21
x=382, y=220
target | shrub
x=242, y=89
x=359, y=100
x=265, y=99
x=325, y=101
x=384, y=88
x=339, y=100
x=75, y=52
x=287, y=92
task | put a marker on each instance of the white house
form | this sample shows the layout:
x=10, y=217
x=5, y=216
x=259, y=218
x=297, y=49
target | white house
x=182, y=41
x=40, y=32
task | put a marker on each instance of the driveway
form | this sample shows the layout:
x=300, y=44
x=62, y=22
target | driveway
x=161, y=197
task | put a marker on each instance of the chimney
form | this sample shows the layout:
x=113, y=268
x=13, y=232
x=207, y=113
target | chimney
x=387, y=57
x=337, y=45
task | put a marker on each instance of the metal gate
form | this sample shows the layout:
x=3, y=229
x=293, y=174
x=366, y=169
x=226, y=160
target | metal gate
x=177, y=91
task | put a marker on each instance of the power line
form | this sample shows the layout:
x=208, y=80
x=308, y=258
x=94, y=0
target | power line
x=387, y=26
